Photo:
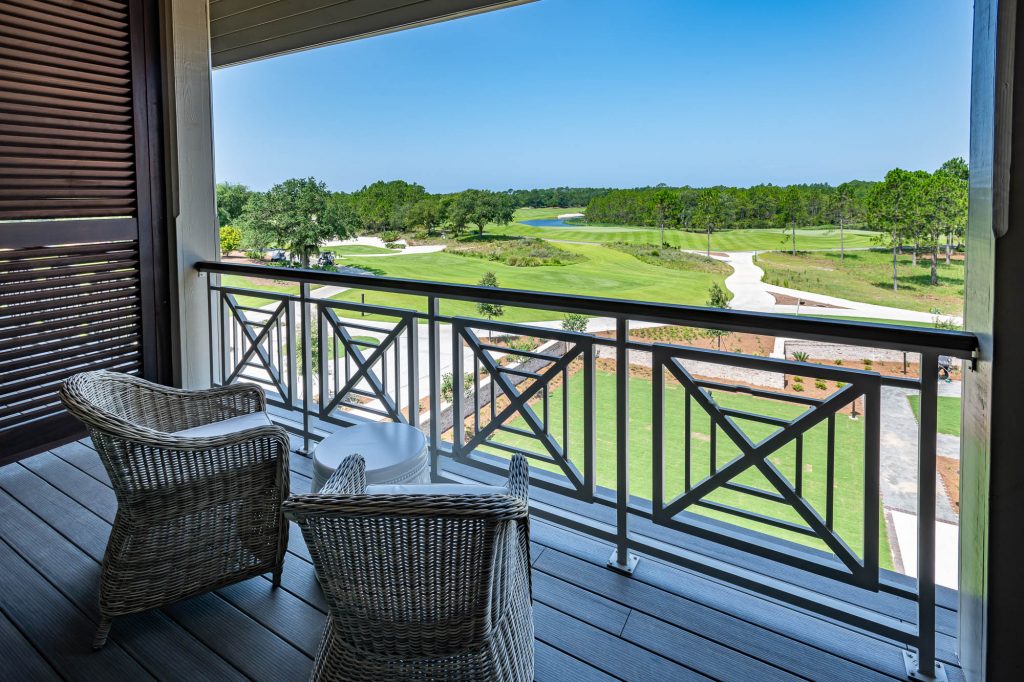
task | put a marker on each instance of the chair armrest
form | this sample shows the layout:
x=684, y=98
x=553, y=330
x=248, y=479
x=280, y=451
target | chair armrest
x=348, y=479
x=214, y=404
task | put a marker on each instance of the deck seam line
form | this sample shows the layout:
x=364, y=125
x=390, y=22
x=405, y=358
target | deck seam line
x=719, y=611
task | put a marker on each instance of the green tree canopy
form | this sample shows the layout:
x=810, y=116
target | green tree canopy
x=485, y=308
x=231, y=201
x=297, y=215
x=381, y=205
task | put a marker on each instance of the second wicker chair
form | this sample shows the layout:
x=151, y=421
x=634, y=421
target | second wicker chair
x=421, y=582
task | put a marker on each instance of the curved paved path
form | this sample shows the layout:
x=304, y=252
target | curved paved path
x=751, y=292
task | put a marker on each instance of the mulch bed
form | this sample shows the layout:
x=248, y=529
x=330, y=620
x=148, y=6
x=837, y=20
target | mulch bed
x=949, y=474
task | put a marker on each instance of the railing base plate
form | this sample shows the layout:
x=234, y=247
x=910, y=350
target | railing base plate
x=625, y=569
x=910, y=660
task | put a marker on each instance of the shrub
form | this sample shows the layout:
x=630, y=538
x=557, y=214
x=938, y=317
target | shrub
x=485, y=309
x=575, y=322
x=668, y=257
x=394, y=245
x=799, y=388
x=521, y=343
x=868, y=363
x=820, y=384
x=389, y=236
x=518, y=253
x=447, y=382
x=839, y=362
x=798, y=380
x=800, y=356
x=230, y=239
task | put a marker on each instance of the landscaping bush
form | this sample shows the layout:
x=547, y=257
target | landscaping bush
x=230, y=239
x=575, y=322
x=820, y=384
x=394, y=245
x=667, y=257
x=519, y=253
x=389, y=236
x=447, y=387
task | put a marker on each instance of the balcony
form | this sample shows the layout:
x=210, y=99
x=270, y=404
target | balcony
x=663, y=622
x=705, y=462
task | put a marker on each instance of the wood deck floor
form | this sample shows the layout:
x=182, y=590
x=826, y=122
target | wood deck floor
x=662, y=624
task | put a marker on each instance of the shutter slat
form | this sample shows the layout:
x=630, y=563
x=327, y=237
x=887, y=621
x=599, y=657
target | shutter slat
x=70, y=339
x=45, y=23
x=103, y=18
x=61, y=54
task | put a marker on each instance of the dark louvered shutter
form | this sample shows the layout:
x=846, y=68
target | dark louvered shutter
x=78, y=215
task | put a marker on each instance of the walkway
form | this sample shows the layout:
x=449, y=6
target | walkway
x=899, y=439
x=751, y=292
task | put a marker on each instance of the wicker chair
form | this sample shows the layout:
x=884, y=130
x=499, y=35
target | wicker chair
x=422, y=582
x=199, y=478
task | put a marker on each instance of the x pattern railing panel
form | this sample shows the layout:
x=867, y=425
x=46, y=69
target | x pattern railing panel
x=256, y=344
x=367, y=377
x=509, y=383
x=789, y=492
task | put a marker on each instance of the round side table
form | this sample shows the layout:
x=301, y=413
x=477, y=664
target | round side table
x=394, y=454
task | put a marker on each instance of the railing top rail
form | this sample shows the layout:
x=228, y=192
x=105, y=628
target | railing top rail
x=953, y=343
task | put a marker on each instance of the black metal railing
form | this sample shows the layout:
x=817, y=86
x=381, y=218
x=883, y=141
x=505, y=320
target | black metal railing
x=482, y=389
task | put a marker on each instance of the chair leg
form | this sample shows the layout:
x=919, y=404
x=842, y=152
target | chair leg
x=276, y=582
x=101, y=633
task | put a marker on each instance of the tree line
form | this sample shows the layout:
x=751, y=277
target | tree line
x=922, y=210
x=757, y=207
x=910, y=209
x=299, y=214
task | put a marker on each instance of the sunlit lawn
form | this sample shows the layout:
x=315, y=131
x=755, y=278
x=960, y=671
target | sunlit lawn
x=867, y=276
x=948, y=416
x=605, y=272
x=849, y=448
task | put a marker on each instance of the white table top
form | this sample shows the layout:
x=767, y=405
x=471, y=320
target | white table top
x=388, y=448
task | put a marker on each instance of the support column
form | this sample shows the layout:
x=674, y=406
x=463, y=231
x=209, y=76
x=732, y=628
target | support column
x=191, y=206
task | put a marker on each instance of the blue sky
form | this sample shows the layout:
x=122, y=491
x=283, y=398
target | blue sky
x=617, y=93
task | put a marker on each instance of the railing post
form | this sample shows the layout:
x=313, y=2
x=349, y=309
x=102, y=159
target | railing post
x=413, y=387
x=434, y=368
x=458, y=393
x=925, y=667
x=621, y=559
x=307, y=361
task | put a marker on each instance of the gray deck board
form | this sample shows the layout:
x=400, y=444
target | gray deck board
x=591, y=624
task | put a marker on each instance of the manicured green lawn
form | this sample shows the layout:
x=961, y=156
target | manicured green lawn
x=358, y=249
x=949, y=413
x=262, y=285
x=604, y=272
x=726, y=240
x=867, y=276
x=849, y=459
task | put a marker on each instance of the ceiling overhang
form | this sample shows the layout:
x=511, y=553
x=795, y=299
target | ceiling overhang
x=246, y=30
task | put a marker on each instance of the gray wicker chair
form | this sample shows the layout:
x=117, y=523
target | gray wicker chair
x=421, y=585
x=195, y=510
